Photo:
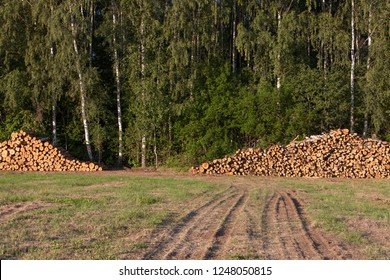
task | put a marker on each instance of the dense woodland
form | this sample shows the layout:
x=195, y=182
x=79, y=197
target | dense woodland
x=150, y=82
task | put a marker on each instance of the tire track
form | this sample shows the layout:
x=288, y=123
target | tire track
x=273, y=246
x=304, y=245
x=287, y=234
x=318, y=241
x=236, y=223
x=222, y=236
x=242, y=239
x=177, y=235
x=254, y=233
x=196, y=239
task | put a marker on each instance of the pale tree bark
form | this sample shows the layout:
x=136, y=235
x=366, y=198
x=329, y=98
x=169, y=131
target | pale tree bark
x=155, y=149
x=142, y=46
x=53, y=94
x=234, y=35
x=278, y=58
x=118, y=86
x=369, y=42
x=193, y=37
x=324, y=48
x=54, y=117
x=92, y=25
x=283, y=8
x=82, y=87
x=215, y=33
x=326, y=56
x=353, y=63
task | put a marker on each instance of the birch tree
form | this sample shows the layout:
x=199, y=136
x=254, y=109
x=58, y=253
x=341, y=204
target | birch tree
x=76, y=13
x=353, y=64
x=117, y=29
x=145, y=23
x=369, y=42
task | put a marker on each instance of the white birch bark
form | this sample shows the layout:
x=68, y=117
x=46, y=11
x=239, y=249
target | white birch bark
x=234, y=54
x=53, y=94
x=54, y=117
x=278, y=58
x=118, y=88
x=353, y=62
x=82, y=89
x=143, y=140
x=324, y=49
x=369, y=42
x=215, y=33
x=92, y=24
x=155, y=150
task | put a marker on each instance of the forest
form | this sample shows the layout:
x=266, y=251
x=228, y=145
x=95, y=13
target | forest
x=176, y=82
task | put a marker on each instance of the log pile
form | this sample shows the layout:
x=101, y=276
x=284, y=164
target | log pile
x=24, y=152
x=334, y=154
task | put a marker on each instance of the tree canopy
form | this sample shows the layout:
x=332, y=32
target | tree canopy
x=147, y=82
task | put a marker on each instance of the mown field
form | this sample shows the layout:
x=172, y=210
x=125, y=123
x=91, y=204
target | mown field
x=127, y=215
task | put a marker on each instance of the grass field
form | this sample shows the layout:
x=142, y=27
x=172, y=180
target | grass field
x=357, y=211
x=118, y=216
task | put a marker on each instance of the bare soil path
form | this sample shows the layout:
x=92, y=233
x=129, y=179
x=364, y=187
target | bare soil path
x=194, y=217
x=8, y=211
x=245, y=221
x=198, y=234
x=287, y=233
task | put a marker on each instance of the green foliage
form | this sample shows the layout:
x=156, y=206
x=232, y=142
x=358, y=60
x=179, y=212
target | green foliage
x=208, y=132
x=23, y=120
x=178, y=87
x=15, y=91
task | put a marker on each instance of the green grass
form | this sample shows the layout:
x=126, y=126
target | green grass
x=333, y=202
x=84, y=216
x=89, y=217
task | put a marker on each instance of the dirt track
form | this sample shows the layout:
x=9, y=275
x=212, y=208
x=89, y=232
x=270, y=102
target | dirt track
x=287, y=234
x=234, y=223
x=232, y=218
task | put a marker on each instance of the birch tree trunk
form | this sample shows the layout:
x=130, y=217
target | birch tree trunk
x=118, y=88
x=53, y=94
x=234, y=54
x=82, y=88
x=143, y=140
x=369, y=42
x=215, y=33
x=155, y=149
x=54, y=117
x=278, y=58
x=353, y=62
x=92, y=25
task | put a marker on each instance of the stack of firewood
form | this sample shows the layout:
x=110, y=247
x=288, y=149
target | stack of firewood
x=334, y=154
x=24, y=152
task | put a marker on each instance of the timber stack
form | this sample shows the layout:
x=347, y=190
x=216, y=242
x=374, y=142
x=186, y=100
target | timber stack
x=24, y=152
x=334, y=154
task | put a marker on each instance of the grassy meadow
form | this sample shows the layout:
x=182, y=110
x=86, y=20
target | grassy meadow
x=348, y=208
x=88, y=216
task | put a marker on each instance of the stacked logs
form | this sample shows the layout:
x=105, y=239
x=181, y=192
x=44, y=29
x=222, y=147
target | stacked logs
x=24, y=152
x=334, y=154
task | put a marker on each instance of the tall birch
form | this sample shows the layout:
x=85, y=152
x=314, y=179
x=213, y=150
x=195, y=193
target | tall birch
x=117, y=72
x=143, y=93
x=353, y=64
x=53, y=93
x=82, y=84
x=369, y=42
